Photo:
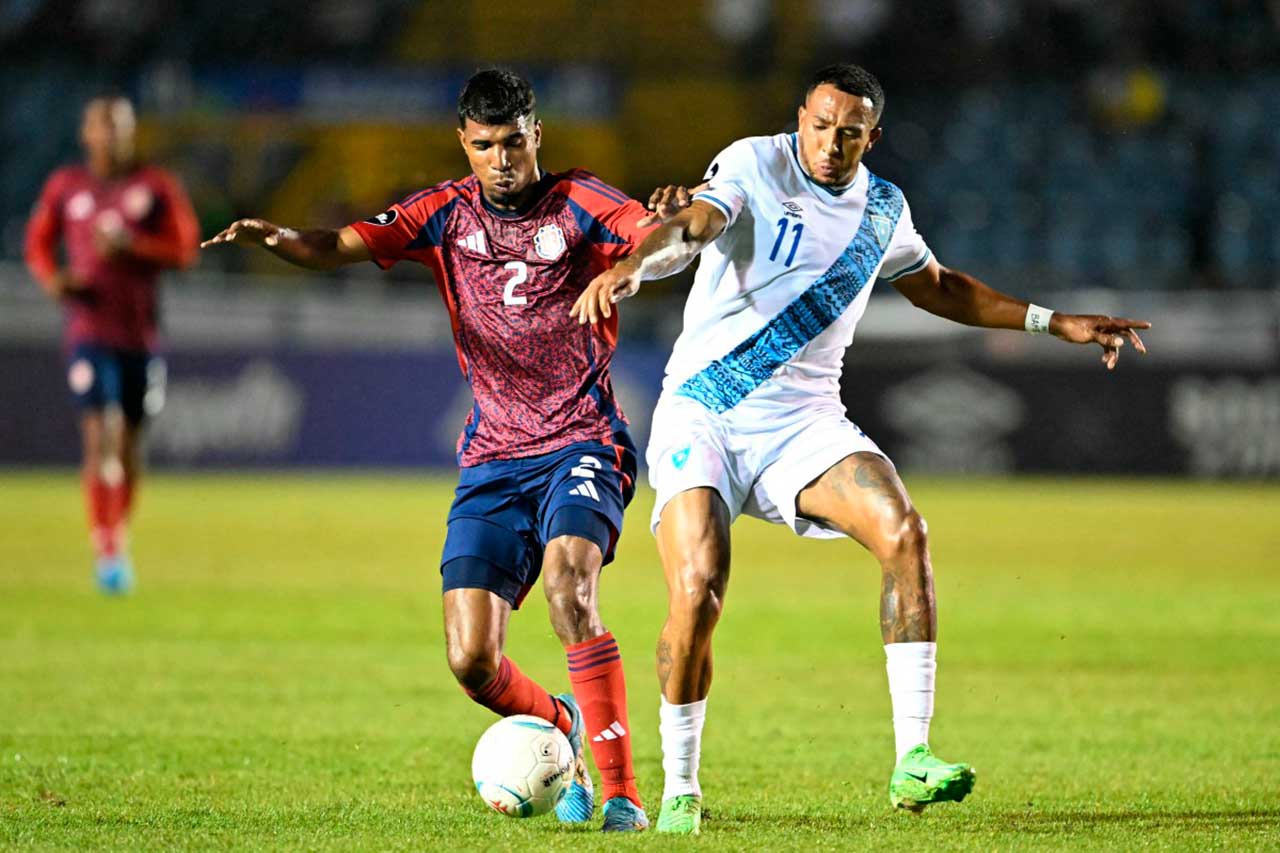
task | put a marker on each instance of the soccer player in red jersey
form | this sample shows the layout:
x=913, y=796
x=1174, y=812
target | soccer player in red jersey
x=120, y=223
x=547, y=466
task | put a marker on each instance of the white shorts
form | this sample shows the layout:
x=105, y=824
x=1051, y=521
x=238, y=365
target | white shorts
x=758, y=455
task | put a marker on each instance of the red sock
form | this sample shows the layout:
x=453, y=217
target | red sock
x=512, y=692
x=125, y=504
x=595, y=670
x=100, y=504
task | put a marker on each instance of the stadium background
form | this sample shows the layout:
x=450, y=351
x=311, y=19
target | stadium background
x=1093, y=156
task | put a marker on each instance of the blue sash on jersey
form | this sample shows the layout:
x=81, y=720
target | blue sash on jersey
x=724, y=383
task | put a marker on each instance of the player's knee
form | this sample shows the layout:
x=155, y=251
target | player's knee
x=569, y=602
x=698, y=593
x=473, y=664
x=908, y=535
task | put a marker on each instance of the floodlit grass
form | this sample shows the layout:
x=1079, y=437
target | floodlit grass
x=1109, y=661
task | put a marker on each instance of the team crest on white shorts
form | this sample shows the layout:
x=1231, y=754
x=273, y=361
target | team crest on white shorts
x=549, y=242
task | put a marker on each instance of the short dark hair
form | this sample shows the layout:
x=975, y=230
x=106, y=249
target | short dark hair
x=495, y=96
x=850, y=79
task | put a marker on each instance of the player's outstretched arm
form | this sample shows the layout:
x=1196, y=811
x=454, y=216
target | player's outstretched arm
x=960, y=297
x=669, y=249
x=316, y=249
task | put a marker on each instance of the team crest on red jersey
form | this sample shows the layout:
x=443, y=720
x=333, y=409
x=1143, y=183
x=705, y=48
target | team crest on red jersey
x=549, y=242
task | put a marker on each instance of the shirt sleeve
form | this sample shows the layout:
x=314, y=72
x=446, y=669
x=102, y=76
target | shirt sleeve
x=176, y=240
x=907, y=252
x=730, y=176
x=44, y=230
x=622, y=219
x=389, y=234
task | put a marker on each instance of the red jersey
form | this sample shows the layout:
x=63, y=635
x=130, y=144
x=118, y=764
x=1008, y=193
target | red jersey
x=540, y=380
x=118, y=307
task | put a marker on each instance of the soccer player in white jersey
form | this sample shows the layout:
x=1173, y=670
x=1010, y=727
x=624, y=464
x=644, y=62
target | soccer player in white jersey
x=793, y=232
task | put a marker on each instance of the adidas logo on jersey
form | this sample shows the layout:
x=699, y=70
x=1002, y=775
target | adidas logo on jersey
x=586, y=489
x=614, y=732
x=474, y=242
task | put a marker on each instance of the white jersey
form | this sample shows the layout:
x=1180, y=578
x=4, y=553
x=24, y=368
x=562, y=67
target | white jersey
x=778, y=294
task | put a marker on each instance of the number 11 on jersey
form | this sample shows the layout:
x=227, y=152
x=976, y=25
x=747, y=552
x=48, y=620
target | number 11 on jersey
x=797, y=229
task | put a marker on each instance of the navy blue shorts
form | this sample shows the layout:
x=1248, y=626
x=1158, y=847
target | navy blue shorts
x=104, y=376
x=505, y=512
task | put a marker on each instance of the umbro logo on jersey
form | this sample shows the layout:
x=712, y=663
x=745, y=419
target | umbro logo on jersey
x=883, y=228
x=614, y=732
x=384, y=218
x=474, y=242
x=586, y=489
x=793, y=210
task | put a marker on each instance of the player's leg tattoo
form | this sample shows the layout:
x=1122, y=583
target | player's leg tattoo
x=570, y=577
x=694, y=545
x=862, y=496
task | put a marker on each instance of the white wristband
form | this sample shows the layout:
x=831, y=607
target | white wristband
x=1038, y=319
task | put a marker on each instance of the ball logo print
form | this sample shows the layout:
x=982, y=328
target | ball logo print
x=549, y=242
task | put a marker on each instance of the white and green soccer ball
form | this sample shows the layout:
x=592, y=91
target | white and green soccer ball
x=522, y=766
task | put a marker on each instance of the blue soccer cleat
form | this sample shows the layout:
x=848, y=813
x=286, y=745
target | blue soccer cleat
x=579, y=802
x=622, y=815
x=114, y=574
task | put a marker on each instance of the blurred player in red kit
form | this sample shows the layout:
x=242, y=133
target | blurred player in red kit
x=547, y=463
x=119, y=223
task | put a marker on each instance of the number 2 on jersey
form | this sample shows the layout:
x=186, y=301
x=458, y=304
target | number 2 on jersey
x=521, y=276
x=798, y=228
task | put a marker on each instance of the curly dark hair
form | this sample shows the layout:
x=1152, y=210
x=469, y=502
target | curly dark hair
x=495, y=96
x=850, y=79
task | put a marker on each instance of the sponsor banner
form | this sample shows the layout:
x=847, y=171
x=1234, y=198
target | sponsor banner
x=281, y=408
x=340, y=408
x=957, y=418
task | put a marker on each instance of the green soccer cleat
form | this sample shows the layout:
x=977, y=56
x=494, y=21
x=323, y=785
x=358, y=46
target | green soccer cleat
x=681, y=815
x=921, y=778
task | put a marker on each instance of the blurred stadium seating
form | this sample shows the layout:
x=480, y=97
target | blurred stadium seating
x=1117, y=157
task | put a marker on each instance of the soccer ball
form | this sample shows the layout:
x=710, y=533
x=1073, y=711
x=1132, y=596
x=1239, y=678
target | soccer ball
x=522, y=766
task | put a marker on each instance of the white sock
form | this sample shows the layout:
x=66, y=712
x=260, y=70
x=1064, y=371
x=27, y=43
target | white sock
x=911, y=668
x=681, y=729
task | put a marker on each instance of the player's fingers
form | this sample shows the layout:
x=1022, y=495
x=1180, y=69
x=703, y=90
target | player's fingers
x=605, y=301
x=579, y=309
x=1121, y=322
x=699, y=188
x=646, y=221
x=682, y=198
x=1110, y=355
x=1136, y=341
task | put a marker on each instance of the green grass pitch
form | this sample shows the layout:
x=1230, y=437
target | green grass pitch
x=1109, y=661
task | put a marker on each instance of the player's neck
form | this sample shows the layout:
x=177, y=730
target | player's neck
x=107, y=168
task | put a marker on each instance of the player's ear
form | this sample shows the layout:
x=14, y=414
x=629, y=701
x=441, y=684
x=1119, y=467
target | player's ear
x=537, y=133
x=874, y=137
x=462, y=139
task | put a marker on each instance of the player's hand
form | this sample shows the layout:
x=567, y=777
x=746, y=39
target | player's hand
x=253, y=232
x=666, y=202
x=1110, y=333
x=66, y=284
x=604, y=290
